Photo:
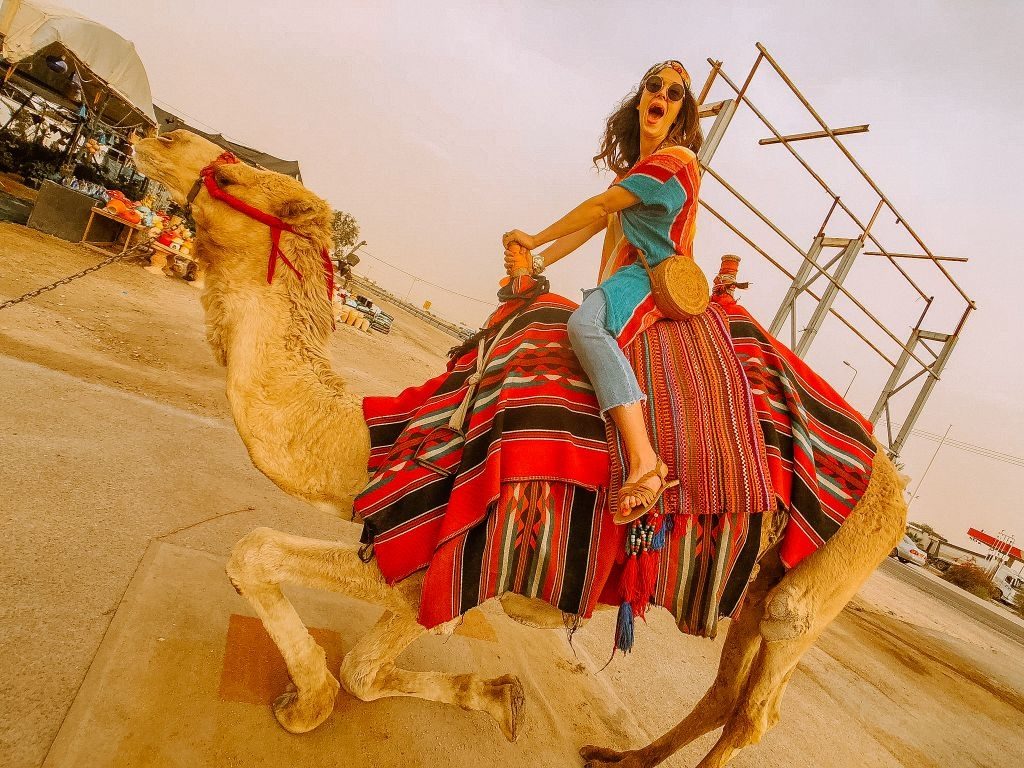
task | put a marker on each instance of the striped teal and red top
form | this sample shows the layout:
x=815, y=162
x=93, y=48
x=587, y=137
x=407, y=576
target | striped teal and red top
x=663, y=223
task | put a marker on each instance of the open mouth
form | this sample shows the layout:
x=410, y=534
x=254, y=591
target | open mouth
x=655, y=112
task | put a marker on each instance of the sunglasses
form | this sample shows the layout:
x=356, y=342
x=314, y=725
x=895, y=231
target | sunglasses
x=655, y=83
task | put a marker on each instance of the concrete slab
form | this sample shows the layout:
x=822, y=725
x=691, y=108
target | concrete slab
x=185, y=675
x=89, y=476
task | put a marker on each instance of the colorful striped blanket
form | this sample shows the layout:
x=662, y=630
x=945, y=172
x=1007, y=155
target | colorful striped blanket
x=520, y=503
x=820, y=450
x=534, y=419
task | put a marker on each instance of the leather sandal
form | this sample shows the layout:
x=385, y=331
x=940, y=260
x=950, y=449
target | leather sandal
x=647, y=496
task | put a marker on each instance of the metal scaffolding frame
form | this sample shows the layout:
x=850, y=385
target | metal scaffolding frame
x=917, y=358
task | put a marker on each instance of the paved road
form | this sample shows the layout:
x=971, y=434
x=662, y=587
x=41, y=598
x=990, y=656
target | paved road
x=993, y=617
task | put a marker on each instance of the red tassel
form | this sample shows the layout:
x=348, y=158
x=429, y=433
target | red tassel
x=628, y=587
x=647, y=581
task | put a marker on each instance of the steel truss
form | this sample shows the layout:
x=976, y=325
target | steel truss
x=830, y=260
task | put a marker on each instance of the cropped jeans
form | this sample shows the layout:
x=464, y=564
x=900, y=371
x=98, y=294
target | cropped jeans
x=600, y=356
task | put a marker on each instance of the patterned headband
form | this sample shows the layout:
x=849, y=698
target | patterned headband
x=672, y=64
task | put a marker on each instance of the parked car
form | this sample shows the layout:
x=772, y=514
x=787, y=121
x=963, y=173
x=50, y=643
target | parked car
x=382, y=322
x=379, y=319
x=907, y=551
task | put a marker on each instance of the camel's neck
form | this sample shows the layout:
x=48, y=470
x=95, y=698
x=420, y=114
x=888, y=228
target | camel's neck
x=301, y=426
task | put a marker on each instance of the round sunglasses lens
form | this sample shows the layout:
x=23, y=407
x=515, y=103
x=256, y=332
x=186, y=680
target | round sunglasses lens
x=653, y=84
x=675, y=92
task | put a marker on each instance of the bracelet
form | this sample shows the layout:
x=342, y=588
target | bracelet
x=538, y=264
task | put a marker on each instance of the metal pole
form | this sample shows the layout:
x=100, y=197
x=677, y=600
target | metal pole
x=822, y=183
x=935, y=370
x=803, y=100
x=800, y=282
x=828, y=295
x=718, y=128
x=768, y=257
x=925, y=473
x=856, y=302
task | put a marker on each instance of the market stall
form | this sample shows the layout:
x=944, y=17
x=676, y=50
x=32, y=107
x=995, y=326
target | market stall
x=72, y=96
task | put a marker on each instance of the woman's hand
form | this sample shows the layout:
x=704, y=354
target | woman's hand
x=518, y=236
x=517, y=258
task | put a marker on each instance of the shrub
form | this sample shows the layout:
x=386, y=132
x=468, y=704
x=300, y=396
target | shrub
x=971, y=577
x=1018, y=602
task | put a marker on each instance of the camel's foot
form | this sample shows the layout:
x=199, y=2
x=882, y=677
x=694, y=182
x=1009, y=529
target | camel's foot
x=299, y=713
x=506, y=703
x=598, y=757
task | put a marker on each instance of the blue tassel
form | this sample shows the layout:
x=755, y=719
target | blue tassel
x=661, y=537
x=624, y=628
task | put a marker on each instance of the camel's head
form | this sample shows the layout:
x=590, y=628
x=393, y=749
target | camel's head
x=175, y=160
x=234, y=248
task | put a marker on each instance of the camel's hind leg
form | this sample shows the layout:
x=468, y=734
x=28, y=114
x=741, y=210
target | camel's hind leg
x=265, y=559
x=742, y=643
x=369, y=672
x=806, y=600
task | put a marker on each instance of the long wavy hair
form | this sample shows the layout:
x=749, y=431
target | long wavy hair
x=620, y=145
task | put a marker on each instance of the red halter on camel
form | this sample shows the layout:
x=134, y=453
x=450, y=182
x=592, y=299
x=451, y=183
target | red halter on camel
x=277, y=226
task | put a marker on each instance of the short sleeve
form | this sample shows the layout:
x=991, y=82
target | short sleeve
x=655, y=180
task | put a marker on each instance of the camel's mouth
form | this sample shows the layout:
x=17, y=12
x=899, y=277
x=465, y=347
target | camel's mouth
x=144, y=160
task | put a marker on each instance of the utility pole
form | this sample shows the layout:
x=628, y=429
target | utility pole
x=925, y=473
x=851, y=380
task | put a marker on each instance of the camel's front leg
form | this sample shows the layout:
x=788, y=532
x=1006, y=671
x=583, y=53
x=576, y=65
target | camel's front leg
x=369, y=672
x=259, y=564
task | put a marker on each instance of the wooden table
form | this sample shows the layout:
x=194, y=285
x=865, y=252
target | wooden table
x=124, y=237
x=173, y=254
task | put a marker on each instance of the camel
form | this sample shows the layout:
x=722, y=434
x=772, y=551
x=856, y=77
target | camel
x=305, y=431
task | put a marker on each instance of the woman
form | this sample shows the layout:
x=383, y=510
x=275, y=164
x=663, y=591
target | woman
x=650, y=143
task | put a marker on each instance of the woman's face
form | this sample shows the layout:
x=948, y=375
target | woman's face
x=656, y=111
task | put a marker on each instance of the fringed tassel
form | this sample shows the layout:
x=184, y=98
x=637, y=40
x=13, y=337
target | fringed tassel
x=624, y=628
x=629, y=586
x=648, y=581
x=661, y=537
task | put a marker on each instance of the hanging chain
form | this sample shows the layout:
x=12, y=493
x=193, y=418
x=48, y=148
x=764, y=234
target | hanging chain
x=76, y=276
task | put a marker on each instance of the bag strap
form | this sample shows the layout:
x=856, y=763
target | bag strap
x=643, y=260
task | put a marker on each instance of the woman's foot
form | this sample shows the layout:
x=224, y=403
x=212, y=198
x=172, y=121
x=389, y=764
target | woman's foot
x=645, y=483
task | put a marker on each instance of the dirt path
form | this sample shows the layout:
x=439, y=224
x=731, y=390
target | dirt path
x=116, y=435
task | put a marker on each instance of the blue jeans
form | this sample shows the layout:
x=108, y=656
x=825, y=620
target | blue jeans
x=605, y=364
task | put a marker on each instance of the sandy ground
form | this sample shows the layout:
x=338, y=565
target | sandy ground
x=117, y=435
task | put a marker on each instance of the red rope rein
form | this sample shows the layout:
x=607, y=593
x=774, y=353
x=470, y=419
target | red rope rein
x=276, y=225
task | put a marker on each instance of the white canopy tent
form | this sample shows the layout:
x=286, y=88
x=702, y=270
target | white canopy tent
x=28, y=27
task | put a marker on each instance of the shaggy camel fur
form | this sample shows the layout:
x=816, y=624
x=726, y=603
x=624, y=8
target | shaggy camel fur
x=305, y=432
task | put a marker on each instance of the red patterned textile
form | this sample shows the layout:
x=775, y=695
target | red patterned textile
x=526, y=506
x=702, y=423
x=534, y=418
x=820, y=450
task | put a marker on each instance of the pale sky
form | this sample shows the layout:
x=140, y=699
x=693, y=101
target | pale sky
x=441, y=126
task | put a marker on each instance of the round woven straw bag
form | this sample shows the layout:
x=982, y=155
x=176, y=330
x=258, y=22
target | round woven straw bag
x=679, y=287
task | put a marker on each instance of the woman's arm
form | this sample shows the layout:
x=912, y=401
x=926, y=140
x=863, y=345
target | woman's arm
x=585, y=215
x=563, y=246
